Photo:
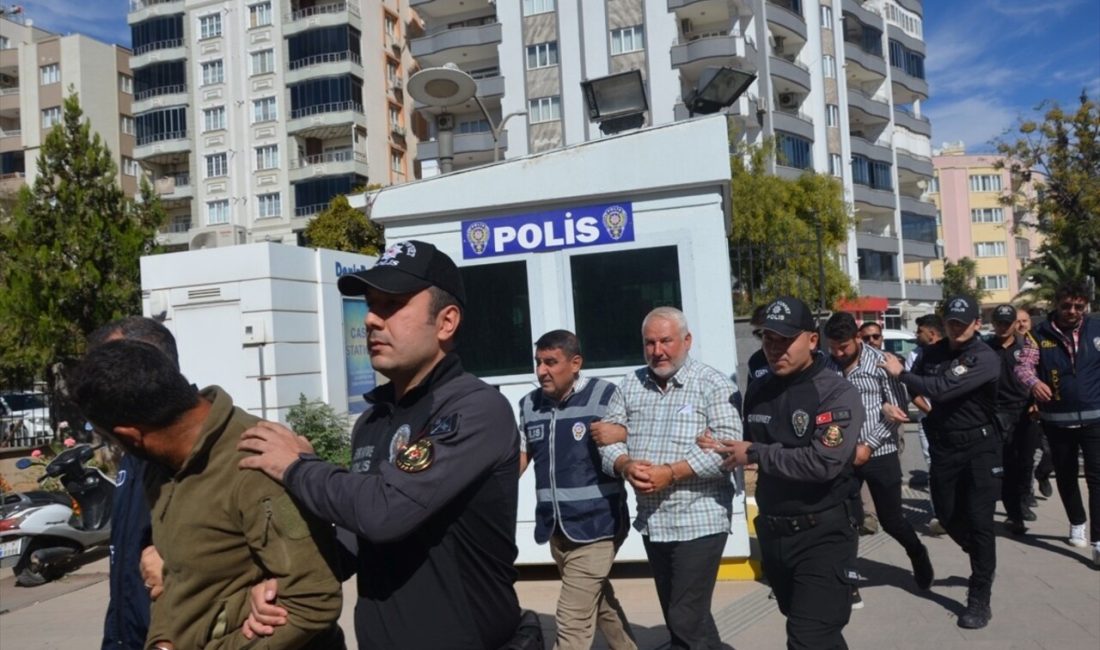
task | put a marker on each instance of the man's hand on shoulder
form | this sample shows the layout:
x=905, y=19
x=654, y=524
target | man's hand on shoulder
x=892, y=365
x=607, y=433
x=275, y=446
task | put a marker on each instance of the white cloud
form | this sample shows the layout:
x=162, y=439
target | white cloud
x=974, y=120
x=1030, y=8
x=104, y=20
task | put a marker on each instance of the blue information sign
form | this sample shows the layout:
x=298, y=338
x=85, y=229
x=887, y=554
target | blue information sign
x=590, y=225
x=360, y=374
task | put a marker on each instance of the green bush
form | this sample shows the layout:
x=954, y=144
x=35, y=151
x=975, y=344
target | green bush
x=326, y=430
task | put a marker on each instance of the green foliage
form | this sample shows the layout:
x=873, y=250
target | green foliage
x=1048, y=273
x=961, y=279
x=343, y=228
x=779, y=220
x=69, y=254
x=1055, y=169
x=325, y=430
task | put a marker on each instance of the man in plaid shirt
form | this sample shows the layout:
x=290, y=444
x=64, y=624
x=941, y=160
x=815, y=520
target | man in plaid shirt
x=685, y=498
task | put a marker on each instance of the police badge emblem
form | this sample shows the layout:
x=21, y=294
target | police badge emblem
x=399, y=441
x=800, y=420
x=417, y=457
x=477, y=236
x=1096, y=343
x=614, y=221
x=832, y=437
x=578, y=430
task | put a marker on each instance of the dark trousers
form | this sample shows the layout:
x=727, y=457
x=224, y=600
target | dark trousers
x=882, y=474
x=1019, y=457
x=965, y=483
x=685, y=573
x=812, y=573
x=1064, y=445
x=1045, y=467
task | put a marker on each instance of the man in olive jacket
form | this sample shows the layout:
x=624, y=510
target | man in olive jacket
x=219, y=530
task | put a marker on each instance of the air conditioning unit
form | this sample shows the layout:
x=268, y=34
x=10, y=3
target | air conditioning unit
x=788, y=100
x=445, y=121
x=686, y=27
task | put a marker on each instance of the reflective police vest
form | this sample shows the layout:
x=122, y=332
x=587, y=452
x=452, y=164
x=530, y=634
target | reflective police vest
x=1074, y=384
x=571, y=489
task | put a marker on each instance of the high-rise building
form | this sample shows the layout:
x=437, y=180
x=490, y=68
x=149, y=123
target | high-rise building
x=38, y=69
x=974, y=223
x=252, y=115
x=839, y=86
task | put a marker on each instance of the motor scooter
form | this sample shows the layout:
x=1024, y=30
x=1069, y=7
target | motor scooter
x=41, y=534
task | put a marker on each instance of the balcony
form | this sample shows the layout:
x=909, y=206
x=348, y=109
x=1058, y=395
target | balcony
x=890, y=289
x=920, y=251
x=907, y=88
x=176, y=187
x=789, y=77
x=883, y=244
x=795, y=123
x=855, y=8
x=171, y=49
x=142, y=10
x=698, y=51
x=918, y=207
x=873, y=151
x=325, y=15
x=163, y=147
x=913, y=167
x=328, y=64
x=907, y=120
x=160, y=97
x=870, y=110
x=912, y=5
x=326, y=121
x=867, y=68
x=709, y=7
x=787, y=24
x=923, y=291
x=873, y=197
x=331, y=163
x=898, y=34
x=470, y=148
x=473, y=43
x=442, y=9
x=11, y=140
x=11, y=182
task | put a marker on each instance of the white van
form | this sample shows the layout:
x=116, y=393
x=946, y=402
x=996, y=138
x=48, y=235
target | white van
x=900, y=342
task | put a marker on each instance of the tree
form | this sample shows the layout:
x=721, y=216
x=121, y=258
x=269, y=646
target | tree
x=1055, y=170
x=343, y=228
x=1046, y=274
x=325, y=430
x=69, y=252
x=961, y=279
x=778, y=226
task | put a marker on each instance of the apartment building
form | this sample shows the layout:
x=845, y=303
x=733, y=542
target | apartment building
x=252, y=115
x=839, y=86
x=37, y=71
x=967, y=190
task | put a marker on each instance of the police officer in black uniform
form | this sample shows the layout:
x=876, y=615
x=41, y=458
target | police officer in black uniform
x=959, y=374
x=802, y=424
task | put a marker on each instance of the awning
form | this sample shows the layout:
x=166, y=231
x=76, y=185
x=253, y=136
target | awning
x=863, y=304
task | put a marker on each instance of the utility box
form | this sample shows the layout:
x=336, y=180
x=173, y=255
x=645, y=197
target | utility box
x=587, y=238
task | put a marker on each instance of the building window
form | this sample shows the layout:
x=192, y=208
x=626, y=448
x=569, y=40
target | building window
x=130, y=166
x=828, y=66
x=544, y=109
x=395, y=116
x=259, y=15
x=934, y=184
x=826, y=17
x=126, y=84
x=213, y=72
x=993, y=282
x=473, y=126
x=989, y=249
x=832, y=115
x=210, y=26
x=126, y=125
x=627, y=283
x=390, y=26
x=271, y=205
x=531, y=7
x=50, y=74
x=794, y=151
x=397, y=162
x=877, y=266
x=627, y=39
x=51, y=116
x=217, y=165
x=985, y=183
x=1023, y=248
x=391, y=72
x=987, y=215
x=502, y=316
x=217, y=212
x=906, y=60
x=213, y=119
x=872, y=173
x=263, y=62
x=836, y=165
x=542, y=55
x=267, y=157
x=263, y=110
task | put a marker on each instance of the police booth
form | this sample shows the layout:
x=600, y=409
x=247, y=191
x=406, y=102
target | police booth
x=587, y=238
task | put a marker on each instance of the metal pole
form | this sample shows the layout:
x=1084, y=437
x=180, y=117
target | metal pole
x=820, y=263
x=496, y=129
x=445, y=126
x=263, y=383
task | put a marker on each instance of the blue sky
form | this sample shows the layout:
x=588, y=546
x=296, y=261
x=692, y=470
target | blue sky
x=989, y=61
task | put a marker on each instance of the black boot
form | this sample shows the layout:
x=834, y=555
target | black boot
x=1026, y=511
x=922, y=568
x=977, y=613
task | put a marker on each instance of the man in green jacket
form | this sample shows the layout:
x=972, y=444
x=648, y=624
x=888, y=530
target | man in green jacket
x=219, y=530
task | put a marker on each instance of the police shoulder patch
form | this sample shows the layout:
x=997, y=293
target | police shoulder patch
x=417, y=457
x=444, y=424
x=833, y=437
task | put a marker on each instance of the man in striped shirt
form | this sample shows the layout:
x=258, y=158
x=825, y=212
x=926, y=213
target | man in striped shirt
x=876, y=461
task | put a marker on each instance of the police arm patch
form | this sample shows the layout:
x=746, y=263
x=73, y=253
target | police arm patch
x=833, y=437
x=417, y=457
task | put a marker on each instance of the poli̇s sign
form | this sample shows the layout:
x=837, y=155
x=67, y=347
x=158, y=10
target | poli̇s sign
x=545, y=231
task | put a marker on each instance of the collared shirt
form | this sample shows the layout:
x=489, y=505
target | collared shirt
x=1027, y=367
x=662, y=428
x=876, y=388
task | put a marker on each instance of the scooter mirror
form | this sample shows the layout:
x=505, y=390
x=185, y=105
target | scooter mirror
x=23, y=463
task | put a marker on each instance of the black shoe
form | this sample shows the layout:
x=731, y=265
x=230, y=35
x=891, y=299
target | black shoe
x=977, y=613
x=923, y=572
x=857, y=600
x=1031, y=501
x=1015, y=526
x=1045, y=488
x=1027, y=512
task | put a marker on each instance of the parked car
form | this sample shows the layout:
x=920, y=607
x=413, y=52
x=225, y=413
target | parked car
x=900, y=342
x=24, y=419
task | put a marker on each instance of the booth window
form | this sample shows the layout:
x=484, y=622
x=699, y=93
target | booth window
x=495, y=336
x=612, y=293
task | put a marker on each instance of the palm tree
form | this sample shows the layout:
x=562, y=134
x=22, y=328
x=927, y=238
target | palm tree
x=1046, y=274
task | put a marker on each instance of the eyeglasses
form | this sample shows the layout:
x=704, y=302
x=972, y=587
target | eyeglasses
x=867, y=338
x=1073, y=306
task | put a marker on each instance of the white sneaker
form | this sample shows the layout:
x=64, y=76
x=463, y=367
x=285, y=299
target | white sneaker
x=1077, y=536
x=936, y=528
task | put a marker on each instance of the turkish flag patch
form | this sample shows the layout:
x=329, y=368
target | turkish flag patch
x=823, y=418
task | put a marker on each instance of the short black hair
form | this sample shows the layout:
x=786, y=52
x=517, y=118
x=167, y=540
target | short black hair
x=841, y=326
x=563, y=340
x=870, y=323
x=1072, y=289
x=130, y=383
x=933, y=321
x=441, y=299
x=138, y=328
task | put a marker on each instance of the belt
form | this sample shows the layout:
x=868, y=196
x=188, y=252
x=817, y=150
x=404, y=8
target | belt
x=789, y=525
x=1072, y=417
x=961, y=437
